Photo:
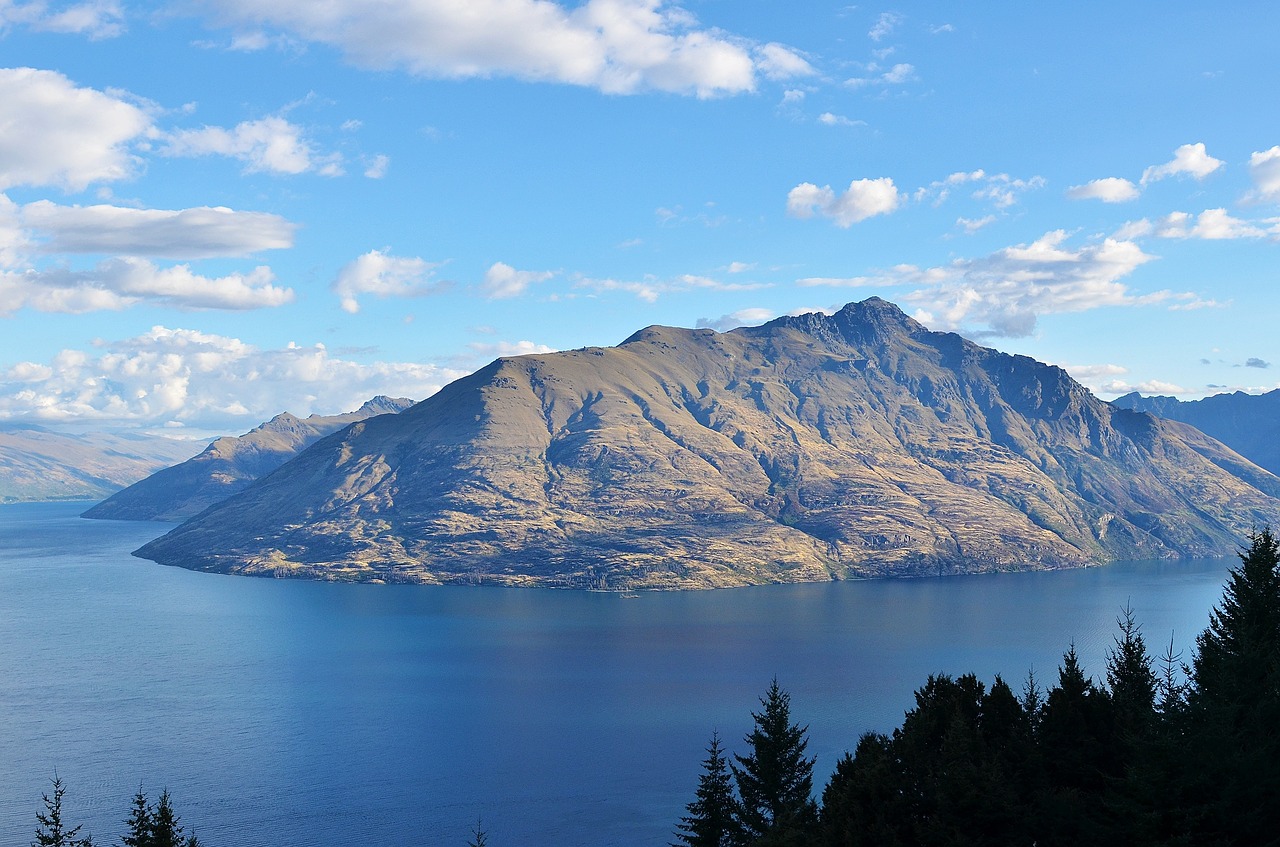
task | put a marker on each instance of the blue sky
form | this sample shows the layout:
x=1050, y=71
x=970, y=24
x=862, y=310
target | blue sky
x=216, y=210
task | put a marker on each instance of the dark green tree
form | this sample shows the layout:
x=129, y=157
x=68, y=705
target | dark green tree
x=52, y=832
x=1233, y=706
x=775, y=779
x=1132, y=681
x=138, y=822
x=711, y=820
x=479, y=838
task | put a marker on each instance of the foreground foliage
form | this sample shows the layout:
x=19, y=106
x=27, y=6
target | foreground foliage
x=149, y=825
x=1159, y=755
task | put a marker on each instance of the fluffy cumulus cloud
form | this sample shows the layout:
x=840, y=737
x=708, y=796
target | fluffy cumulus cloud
x=616, y=46
x=1007, y=290
x=778, y=62
x=1211, y=224
x=381, y=275
x=120, y=283
x=198, y=233
x=55, y=133
x=200, y=380
x=270, y=144
x=865, y=198
x=95, y=18
x=1188, y=160
x=1264, y=167
x=1111, y=189
x=1004, y=293
x=502, y=281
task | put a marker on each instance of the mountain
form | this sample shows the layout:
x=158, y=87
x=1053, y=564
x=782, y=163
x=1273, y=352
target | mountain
x=39, y=464
x=229, y=465
x=810, y=448
x=1247, y=423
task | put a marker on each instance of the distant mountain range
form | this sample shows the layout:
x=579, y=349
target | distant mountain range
x=229, y=465
x=1247, y=423
x=38, y=464
x=811, y=448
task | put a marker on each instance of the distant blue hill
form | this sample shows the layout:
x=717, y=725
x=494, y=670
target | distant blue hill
x=1247, y=423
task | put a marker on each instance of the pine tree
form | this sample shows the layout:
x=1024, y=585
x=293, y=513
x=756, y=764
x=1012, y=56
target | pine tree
x=775, y=780
x=1233, y=706
x=479, y=838
x=711, y=821
x=1132, y=680
x=139, y=822
x=1237, y=663
x=51, y=831
x=165, y=829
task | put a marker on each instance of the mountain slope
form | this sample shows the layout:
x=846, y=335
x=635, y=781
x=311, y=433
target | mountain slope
x=810, y=448
x=38, y=464
x=229, y=465
x=1247, y=423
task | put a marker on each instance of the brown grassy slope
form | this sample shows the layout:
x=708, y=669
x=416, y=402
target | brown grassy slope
x=810, y=448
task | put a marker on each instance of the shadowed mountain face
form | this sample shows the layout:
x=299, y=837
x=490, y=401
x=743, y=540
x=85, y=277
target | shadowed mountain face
x=229, y=465
x=37, y=464
x=1247, y=423
x=810, y=448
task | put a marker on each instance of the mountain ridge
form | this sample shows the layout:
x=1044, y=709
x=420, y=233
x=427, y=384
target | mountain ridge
x=810, y=448
x=230, y=464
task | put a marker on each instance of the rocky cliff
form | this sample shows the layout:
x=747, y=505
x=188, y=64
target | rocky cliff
x=810, y=448
x=229, y=465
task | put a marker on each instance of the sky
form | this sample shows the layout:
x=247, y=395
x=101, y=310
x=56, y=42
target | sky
x=216, y=210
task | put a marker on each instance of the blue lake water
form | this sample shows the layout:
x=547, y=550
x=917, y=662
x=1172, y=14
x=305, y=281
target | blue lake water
x=296, y=714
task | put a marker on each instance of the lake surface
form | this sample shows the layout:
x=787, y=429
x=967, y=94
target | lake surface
x=295, y=714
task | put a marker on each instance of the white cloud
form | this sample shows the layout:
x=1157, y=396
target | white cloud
x=1264, y=167
x=376, y=168
x=896, y=75
x=885, y=25
x=831, y=119
x=270, y=144
x=999, y=189
x=198, y=233
x=742, y=317
x=95, y=19
x=497, y=349
x=865, y=198
x=119, y=283
x=382, y=275
x=972, y=225
x=1189, y=160
x=1111, y=189
x=1007, y=290
x=616, y=46
x=1211, y=224
x=778, y=62
x=53, y=132
x=502, y=281
x=740, y=267
x=1149, y=387
x=195, y=379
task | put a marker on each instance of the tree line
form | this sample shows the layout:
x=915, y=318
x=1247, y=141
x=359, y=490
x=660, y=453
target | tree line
x=149, y=824
x=1161, y=752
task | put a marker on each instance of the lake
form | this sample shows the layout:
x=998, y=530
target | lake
x=296, y=714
